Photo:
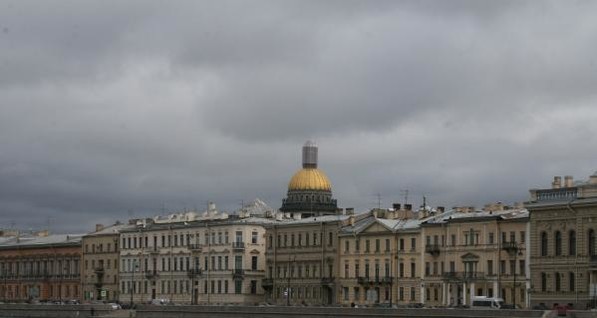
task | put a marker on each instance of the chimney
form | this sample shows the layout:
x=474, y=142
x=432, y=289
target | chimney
x=441, y=209
x=557, y=182
x=350, y=211
x=568, y=181
x=396, y=206
x=99, y=227
x=351, y=220
x=408, y=207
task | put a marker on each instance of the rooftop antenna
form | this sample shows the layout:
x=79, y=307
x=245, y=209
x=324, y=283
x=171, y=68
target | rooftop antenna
x=163, y=208
x=378, y=200
x=404, y=192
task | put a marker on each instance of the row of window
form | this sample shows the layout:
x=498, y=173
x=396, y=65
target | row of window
x=557, y=281
x=184, y=287
x=471, y=237
x=182, y=240
x=299, y=240
x=99, y=248
x=31, y=268
x=377, y=294
x=558, y=242
x=55, y=291
x=300, y=271
x=184, y=263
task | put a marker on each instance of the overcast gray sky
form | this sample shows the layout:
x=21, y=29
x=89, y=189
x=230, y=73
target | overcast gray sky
x=113, y=109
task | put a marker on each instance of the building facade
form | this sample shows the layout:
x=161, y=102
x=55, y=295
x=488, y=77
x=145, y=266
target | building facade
x=40, y=267
x=563, y=235
x=100, y=263
x=470, y=253
x=379, y=258
x=302, y=260
x=210, y=259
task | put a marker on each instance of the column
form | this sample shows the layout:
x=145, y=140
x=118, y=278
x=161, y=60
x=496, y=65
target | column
x=495, y=289
x=464, y=293
x=423, y=295
x=450, y=296
x=472, y=292
x=444, y=294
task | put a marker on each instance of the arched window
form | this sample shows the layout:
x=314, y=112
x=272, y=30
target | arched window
x=558, y=243
x=543, y=244
x=591, y=251
x=572, y=243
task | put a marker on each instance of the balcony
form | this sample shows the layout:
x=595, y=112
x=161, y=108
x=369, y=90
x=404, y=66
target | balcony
x=238, y=273
x=328, y=281
x=153, y=274
x=433, y=249
x=510, y=247
x=363, y=280
x=238, y=246
x=99, y=272
x=463, y=276
x=267, y=283
x=196, y=248
x=152, y=250
x=194, y=272
x=593, y=261
x=387, y=280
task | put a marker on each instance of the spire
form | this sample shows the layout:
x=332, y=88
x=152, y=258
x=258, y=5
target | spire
x=310, y=155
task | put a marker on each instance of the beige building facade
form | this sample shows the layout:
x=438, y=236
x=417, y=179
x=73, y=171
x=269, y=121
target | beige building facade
x=470, y=253
x=563, y=243
x=192, y=259
x=100, y=263
x=379, y=259
x=302, y=260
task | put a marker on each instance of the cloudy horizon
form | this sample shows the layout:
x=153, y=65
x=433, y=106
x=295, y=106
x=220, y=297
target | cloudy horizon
x=111, y=110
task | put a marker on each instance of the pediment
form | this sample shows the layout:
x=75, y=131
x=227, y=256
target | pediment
x=469, y=257
x=376, y=228
x=254, y=251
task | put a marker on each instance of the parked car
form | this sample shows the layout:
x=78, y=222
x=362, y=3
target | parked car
x=561, y=310
x=115, y=306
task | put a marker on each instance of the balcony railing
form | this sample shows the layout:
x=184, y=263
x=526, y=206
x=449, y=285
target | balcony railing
x=363, y=280
x=433, y=249
x=375, y=280
x=238, y=273
x=194, y=272
x=593, y=261
x=196, y=247
x=152, y=274
x=238, y=246
x=510, y=247
x=267, y=283
x=327, y=280
x=463, y=276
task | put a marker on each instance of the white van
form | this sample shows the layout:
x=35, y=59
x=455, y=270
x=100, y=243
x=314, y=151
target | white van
x=487, y=302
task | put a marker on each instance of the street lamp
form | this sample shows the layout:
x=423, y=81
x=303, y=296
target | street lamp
x=517, y=252
x=135, y=264
x=288, y=290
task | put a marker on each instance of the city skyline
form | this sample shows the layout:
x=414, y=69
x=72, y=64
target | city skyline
x=111, y=110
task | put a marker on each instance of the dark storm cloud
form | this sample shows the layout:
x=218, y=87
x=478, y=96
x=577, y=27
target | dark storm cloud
x=110, y=110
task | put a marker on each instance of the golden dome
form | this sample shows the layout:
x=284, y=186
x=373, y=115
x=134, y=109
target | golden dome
x=310, y=179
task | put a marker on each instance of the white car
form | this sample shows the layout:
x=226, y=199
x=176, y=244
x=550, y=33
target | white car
x=114, y=306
